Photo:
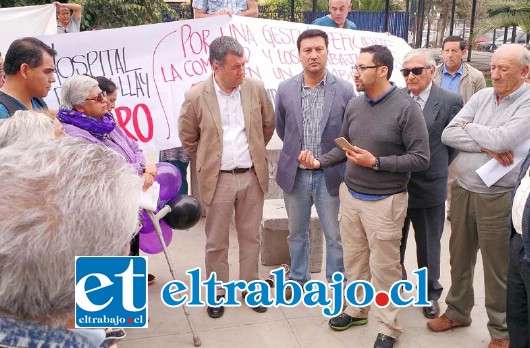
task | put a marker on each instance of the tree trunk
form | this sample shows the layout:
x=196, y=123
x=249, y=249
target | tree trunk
x=444, y=16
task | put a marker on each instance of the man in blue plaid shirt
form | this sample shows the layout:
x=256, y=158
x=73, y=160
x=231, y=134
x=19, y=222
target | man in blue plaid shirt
x=208, y=8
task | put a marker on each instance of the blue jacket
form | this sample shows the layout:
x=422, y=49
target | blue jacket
x=288, y=114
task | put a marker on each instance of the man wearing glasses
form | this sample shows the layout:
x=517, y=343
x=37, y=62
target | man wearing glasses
x=30, y=72
x=428, y=188
x=390, y=140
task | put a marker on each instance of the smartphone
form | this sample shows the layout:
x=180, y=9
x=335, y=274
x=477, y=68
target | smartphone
x=343, y=143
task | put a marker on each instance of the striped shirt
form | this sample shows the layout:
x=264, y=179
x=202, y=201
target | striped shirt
x=312, y=110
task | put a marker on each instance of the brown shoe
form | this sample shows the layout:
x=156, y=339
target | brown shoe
x=443, y=323
x=150, y=279
x=499, y=343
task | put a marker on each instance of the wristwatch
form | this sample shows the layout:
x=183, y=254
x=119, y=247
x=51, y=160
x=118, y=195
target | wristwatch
x=377, y=163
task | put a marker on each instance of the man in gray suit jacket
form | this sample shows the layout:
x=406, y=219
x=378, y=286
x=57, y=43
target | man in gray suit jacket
x=309, y=111
x=428, y=188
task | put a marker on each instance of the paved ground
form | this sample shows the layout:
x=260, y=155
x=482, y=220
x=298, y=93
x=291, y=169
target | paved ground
x=280, y=327
x=297, y=327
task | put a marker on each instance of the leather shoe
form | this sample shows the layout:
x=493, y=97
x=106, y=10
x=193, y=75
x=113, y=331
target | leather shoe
x=258, y=309
x=216, y=312
x=499, y=343
x=384, y=341
x=443, y=323
x=432, y=311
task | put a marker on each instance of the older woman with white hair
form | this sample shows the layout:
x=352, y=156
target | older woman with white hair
x=37, y=251
x=84, y=114
x=28, y=126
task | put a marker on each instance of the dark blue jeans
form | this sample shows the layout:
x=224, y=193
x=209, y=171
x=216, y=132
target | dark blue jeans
x=518, y=295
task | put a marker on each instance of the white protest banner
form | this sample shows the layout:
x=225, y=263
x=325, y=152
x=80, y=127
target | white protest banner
x=153, y=65
x=17, y=22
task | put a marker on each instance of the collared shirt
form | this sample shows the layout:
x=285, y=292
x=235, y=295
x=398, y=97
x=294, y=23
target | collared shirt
x=365, y=197
x=501, y=125
x=512, y=96
x=213, y=6
x=451, y=82
x=235, y=142
x=374, y=102
x=359, y=195
x=423, y=96
x=312, y=111
x=74, y=26
x=519, y=201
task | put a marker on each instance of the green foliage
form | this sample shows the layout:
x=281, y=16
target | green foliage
x=14, y=3
x=368, y=5
x=322, y=5
x=112, y=13
x=281, y=9
x=502, y=13
x=123, y=13
x=283, y=5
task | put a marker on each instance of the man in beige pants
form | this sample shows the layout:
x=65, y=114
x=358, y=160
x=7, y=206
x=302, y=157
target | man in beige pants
x=391, y=140
x=225, y=123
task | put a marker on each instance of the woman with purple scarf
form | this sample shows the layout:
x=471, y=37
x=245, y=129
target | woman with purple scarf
x=84, y=114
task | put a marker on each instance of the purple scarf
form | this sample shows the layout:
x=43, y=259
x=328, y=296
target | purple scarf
x=98, y=128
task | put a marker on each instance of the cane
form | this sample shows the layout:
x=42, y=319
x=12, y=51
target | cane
x=155, y=219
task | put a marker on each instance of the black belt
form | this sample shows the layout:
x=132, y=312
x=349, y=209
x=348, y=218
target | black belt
x=236, y=170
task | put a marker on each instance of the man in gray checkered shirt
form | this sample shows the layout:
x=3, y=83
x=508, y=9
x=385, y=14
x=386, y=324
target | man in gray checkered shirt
x=309, y=111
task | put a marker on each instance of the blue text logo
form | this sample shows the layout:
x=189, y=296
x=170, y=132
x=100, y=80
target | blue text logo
x=110, y=291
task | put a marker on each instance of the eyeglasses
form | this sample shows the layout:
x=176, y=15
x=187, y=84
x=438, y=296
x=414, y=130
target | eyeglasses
x=416, y=71
x=362, y=68
x=100, y=97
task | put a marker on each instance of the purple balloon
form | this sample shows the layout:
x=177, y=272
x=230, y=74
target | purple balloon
x=150, y=243
x=169, y=178
x=147, y=224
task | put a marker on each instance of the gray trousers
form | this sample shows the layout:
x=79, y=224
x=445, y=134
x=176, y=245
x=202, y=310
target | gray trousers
x=479, y=221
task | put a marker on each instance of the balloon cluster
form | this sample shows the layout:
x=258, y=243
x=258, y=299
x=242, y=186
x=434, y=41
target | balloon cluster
x=185, y=211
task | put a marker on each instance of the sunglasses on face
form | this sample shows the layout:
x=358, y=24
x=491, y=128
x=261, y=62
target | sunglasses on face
x=416, y=71
x=100, y=98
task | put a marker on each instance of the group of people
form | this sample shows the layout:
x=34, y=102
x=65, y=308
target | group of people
x=393, y=174
x=84, y=115
x=369, y=194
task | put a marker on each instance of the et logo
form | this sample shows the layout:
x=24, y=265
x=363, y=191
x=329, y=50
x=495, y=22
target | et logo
x=110, y=291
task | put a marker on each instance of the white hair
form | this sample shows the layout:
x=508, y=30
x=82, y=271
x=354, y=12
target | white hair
x=60, y=199
x=520, y=53
x=26, y=126
x=430, y=62
x=75, y=90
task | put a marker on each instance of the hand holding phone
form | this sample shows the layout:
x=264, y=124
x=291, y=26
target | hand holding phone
x=343, y=143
